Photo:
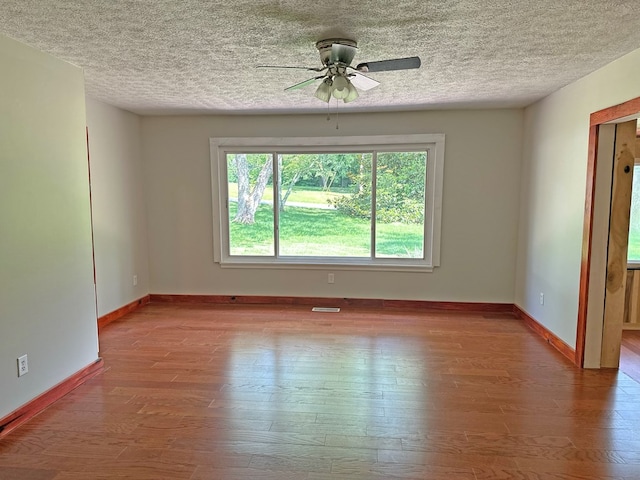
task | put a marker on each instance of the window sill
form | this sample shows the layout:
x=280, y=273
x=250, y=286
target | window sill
x=324, y=264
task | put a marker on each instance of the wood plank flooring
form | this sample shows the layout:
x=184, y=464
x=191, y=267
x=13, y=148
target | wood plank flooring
x=244, y=392
x=630, y=354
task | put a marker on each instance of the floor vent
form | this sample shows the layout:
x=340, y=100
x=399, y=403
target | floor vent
x=326, y=309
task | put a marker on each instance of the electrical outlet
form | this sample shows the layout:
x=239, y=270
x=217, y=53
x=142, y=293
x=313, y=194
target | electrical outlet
x=541, y=298
x=330, y=278
x=23, y=365
x=135, y=280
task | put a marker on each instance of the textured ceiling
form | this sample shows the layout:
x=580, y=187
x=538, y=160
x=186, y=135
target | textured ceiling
x=196, y=56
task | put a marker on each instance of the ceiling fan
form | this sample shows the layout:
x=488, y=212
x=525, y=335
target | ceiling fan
x=339, y=79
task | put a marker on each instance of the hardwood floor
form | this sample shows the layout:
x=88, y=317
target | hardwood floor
x=244, y=392
x=630, y=354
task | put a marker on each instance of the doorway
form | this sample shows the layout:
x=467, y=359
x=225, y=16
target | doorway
x=612, y=140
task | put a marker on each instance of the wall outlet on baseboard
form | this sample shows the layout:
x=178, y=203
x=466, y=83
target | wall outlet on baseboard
x=330, y=278
x=23, y=365
x=135, y=280
x=541, y=298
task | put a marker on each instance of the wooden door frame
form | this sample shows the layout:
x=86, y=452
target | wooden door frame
x=607, y=115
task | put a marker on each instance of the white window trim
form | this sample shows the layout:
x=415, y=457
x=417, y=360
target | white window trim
x=434, y=143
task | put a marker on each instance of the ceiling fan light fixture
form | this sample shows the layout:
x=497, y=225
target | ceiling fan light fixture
x=339, y=79
x=352, y=95
x=324, y=90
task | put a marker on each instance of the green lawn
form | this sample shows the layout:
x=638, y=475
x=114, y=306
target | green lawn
x=300, y=195
x=317, y=232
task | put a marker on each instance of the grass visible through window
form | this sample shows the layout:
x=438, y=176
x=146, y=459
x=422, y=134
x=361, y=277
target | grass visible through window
x=308, y=231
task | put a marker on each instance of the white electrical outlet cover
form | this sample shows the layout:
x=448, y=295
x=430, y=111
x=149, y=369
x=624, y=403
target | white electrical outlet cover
x=23, y=365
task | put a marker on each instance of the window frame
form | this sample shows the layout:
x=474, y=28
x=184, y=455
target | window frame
x=432, y=143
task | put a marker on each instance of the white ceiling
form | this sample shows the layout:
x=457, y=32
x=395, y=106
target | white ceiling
x=197, y=56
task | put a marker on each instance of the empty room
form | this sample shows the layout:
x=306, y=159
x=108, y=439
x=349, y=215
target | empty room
x=319, y=241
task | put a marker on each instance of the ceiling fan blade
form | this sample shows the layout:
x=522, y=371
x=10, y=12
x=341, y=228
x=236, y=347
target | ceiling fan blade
x=342, y=53
x=313, y=69
x=303, y=84
x=389, y=65
x=362, y=82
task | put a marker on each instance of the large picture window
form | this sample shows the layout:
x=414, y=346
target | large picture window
x=341, y=201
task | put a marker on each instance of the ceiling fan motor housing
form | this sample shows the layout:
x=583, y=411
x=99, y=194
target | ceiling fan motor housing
x=330, y=55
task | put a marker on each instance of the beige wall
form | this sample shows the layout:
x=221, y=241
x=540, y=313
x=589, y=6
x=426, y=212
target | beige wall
x=47, y=301
x=479, y=222
x=119, y=215
x=553, y=194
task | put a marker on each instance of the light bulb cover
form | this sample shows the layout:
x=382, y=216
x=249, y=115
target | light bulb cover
x=324, y=90
x=352, y=95
x=340, y=82
x=340, y=87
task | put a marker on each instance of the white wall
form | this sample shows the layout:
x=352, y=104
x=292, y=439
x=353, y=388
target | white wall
x=480, y=207
x=119, y=214
x=47, y=301
x=553, y=192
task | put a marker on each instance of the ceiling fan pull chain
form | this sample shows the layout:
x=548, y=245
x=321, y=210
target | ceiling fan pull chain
x=337, y=119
